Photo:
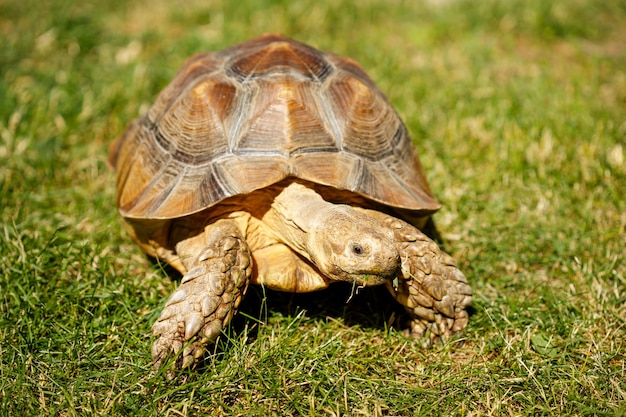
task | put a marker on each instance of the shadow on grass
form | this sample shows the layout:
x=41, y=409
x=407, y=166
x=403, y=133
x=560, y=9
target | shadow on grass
x=367, y=307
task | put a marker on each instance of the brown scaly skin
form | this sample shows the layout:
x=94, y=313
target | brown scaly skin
x=431, y=288
x=208, y=296
x=390, y=251
x=428, y=285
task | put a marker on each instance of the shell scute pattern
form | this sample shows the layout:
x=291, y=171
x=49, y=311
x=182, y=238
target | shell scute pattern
x=285, y=112
x=245, y=118
x=279, y=58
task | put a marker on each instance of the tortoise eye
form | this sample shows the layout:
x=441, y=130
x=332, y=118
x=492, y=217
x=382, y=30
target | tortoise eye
x=357, y=249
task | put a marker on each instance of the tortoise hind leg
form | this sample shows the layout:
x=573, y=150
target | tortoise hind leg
x=218, y=264
x=429, y=285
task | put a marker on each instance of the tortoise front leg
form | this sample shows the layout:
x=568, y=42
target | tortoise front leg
x=218, y=264
x=429, y=285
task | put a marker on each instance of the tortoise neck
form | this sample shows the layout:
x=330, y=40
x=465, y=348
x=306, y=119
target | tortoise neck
x=294, y=214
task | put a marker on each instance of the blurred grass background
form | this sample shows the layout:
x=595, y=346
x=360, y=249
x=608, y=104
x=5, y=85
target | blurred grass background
x=518, y=110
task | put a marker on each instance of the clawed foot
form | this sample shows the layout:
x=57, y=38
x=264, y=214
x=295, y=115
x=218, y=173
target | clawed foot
x=190, y=320
x=206, y=300
x=429, y=285
x=433, y=291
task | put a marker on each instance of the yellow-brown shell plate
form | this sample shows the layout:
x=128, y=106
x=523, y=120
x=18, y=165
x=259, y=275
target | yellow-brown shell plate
x=247, y=117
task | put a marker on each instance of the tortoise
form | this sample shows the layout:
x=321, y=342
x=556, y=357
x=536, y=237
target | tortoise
x=276, y=164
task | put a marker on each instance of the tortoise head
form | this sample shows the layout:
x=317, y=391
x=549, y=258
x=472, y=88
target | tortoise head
x=348, y=245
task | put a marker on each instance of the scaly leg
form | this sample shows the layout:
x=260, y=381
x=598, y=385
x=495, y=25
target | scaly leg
x=218, y=264
x=429, y=285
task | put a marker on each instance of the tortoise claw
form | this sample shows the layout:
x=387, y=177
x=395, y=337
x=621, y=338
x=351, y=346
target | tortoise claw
x=428, y=284
x=206, y=300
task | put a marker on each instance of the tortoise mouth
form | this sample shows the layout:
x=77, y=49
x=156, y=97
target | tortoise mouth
x=361, y=278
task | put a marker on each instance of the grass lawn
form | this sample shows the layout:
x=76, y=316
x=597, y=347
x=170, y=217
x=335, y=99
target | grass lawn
x=518, y=110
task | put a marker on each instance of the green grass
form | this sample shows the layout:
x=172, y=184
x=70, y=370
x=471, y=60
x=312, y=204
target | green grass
x=518, y=109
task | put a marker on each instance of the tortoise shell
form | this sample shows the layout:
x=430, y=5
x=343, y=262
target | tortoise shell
x=247, y=117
